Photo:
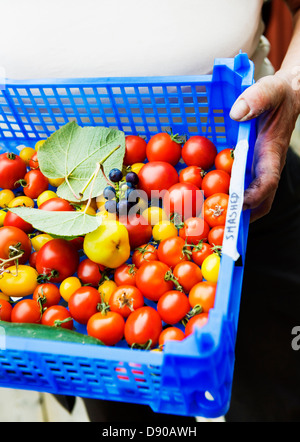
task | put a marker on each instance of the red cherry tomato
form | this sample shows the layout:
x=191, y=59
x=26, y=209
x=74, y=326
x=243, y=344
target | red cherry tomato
x=192, y=175
x=57, y=204
x=201, y=251
x=164, y=147
x=170, y=334
x=215, y=209
x=5, y=310
x=203, y=294
x=125, y=275
x=57, y=316
x=14, y=220
x=126, y=299
x=215, y=181
x=197, y=321
x=48, y=294
x=173, y=306
x=13, y=242
x=57, y=260
x=143, y=327
x=89, y=272
x=108, y=327
x=78, y=242
x=139, y=230
x=34, y=183
x=224, y=160
x=12, y=170
x=135, y=150
x=26, y=311
x=173, y=250
x=199, y=151
x=194, y=230
x=157, y=177
x=216, y=236
x=188, y=274
x=151, y=280
x=183, y=199
x=144, y=253
x=32, y=259
x=84, y=303
x=34, y=162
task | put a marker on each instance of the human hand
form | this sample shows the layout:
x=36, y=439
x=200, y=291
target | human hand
x=277, y=103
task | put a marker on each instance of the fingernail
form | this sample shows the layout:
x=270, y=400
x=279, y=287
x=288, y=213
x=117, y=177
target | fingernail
x=239, y=110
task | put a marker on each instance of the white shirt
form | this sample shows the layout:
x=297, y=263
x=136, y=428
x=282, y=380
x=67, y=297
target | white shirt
x=112, y=38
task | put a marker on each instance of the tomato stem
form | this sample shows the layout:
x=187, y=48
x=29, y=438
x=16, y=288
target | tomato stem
x=176, y=219
x=59, y=322
x=193, y=312
x=217, y=250
x=179, y=139
x=103, y=307
x=15, y=254
x=43, y=277
x=146, y=346
x=22, y=183
x=170, y=277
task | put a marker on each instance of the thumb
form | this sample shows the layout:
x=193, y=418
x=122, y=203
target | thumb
x=264, y=95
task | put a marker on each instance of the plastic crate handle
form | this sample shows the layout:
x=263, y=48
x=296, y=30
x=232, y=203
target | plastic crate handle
x=236, y=200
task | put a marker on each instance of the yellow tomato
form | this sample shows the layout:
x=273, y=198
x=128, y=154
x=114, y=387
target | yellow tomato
x=107, y=216
x=136, y=167
x=163, y=230
x=45, y=196
x=4, y=297
x=154, y=215
x=106, y=289
x=26, y=154
x=55, y=182
x=2, y=217
x=6, y=196
x=140, y=206
x=69, y=286
x=108, y=244
x=39, y=144
x=93, y=203
x=39, y=240
x=100, y=202
x=19, y=282
x=21, y=201
x=211, y=267
x=89, y=211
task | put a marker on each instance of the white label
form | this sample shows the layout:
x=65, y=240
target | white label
x=236, y=200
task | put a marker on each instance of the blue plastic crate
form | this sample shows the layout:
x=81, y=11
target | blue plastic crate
x=192, y=377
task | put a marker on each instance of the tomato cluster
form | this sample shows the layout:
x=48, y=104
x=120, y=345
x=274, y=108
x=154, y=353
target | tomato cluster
x=159, y=291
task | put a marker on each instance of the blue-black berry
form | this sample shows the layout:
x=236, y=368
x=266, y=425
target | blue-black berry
x=109, y=193
x=115, y=175
x=111, y=206
x=132, y=178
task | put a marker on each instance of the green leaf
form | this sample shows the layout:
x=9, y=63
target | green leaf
x=73, y=153
x=62, y=224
